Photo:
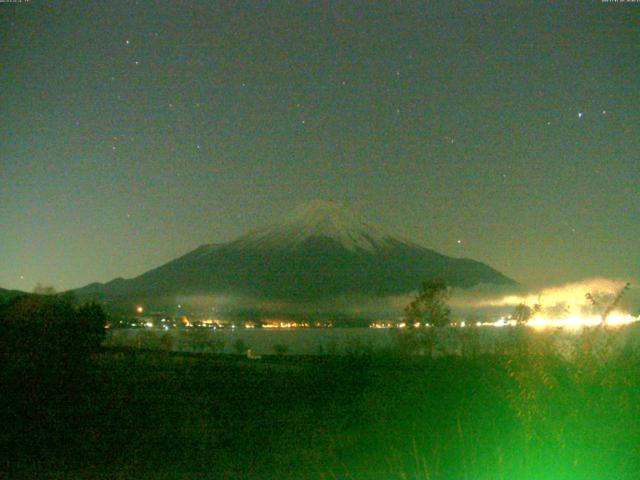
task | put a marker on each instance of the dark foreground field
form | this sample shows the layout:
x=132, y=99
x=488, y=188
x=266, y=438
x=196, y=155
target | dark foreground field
x=128, y=414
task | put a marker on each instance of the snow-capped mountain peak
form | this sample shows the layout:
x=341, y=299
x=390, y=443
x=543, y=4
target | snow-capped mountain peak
x=320, y=251
x=317, y=219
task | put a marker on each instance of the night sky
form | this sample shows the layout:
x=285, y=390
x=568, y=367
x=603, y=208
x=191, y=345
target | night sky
x=132, y=132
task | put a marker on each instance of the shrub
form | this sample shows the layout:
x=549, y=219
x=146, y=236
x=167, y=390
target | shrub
x=50, y=330
x=280, y=349
x=240, y=347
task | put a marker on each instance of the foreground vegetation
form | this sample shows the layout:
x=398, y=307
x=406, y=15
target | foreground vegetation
x=525, y=413
x=528, y=410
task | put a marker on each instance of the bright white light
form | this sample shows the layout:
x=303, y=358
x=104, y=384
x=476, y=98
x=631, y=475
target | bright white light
x=501, y=322
x=571, y=322
x=577, y=322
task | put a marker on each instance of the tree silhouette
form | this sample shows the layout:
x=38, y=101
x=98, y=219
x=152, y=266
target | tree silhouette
x=50, y=331
x=522, y=313
x=40, y=289
x=430, y=305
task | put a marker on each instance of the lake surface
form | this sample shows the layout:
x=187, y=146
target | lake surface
x=311, y=341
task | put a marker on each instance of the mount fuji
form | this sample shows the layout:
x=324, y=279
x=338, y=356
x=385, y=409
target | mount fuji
x=321, y=250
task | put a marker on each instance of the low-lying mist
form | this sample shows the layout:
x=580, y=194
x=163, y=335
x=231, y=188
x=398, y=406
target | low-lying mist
x=483, y=302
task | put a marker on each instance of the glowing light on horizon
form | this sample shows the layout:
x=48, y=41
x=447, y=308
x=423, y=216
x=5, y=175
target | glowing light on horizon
x=539, y=322
x=577, y=322
x=270, y=324
x=570, y=294
x=570, y=322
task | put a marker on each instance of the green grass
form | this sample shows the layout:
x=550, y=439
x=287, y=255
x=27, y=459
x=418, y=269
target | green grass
x=133, y=414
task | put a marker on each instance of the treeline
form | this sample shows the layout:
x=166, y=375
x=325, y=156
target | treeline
x=49, y=330
x=47, y=375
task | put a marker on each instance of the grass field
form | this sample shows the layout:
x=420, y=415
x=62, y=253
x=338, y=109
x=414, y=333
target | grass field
x=142, y=414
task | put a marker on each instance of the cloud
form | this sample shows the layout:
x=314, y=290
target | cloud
x=571, y=296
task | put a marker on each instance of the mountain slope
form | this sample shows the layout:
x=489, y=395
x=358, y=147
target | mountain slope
x=319, y=251
x=6, y=295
